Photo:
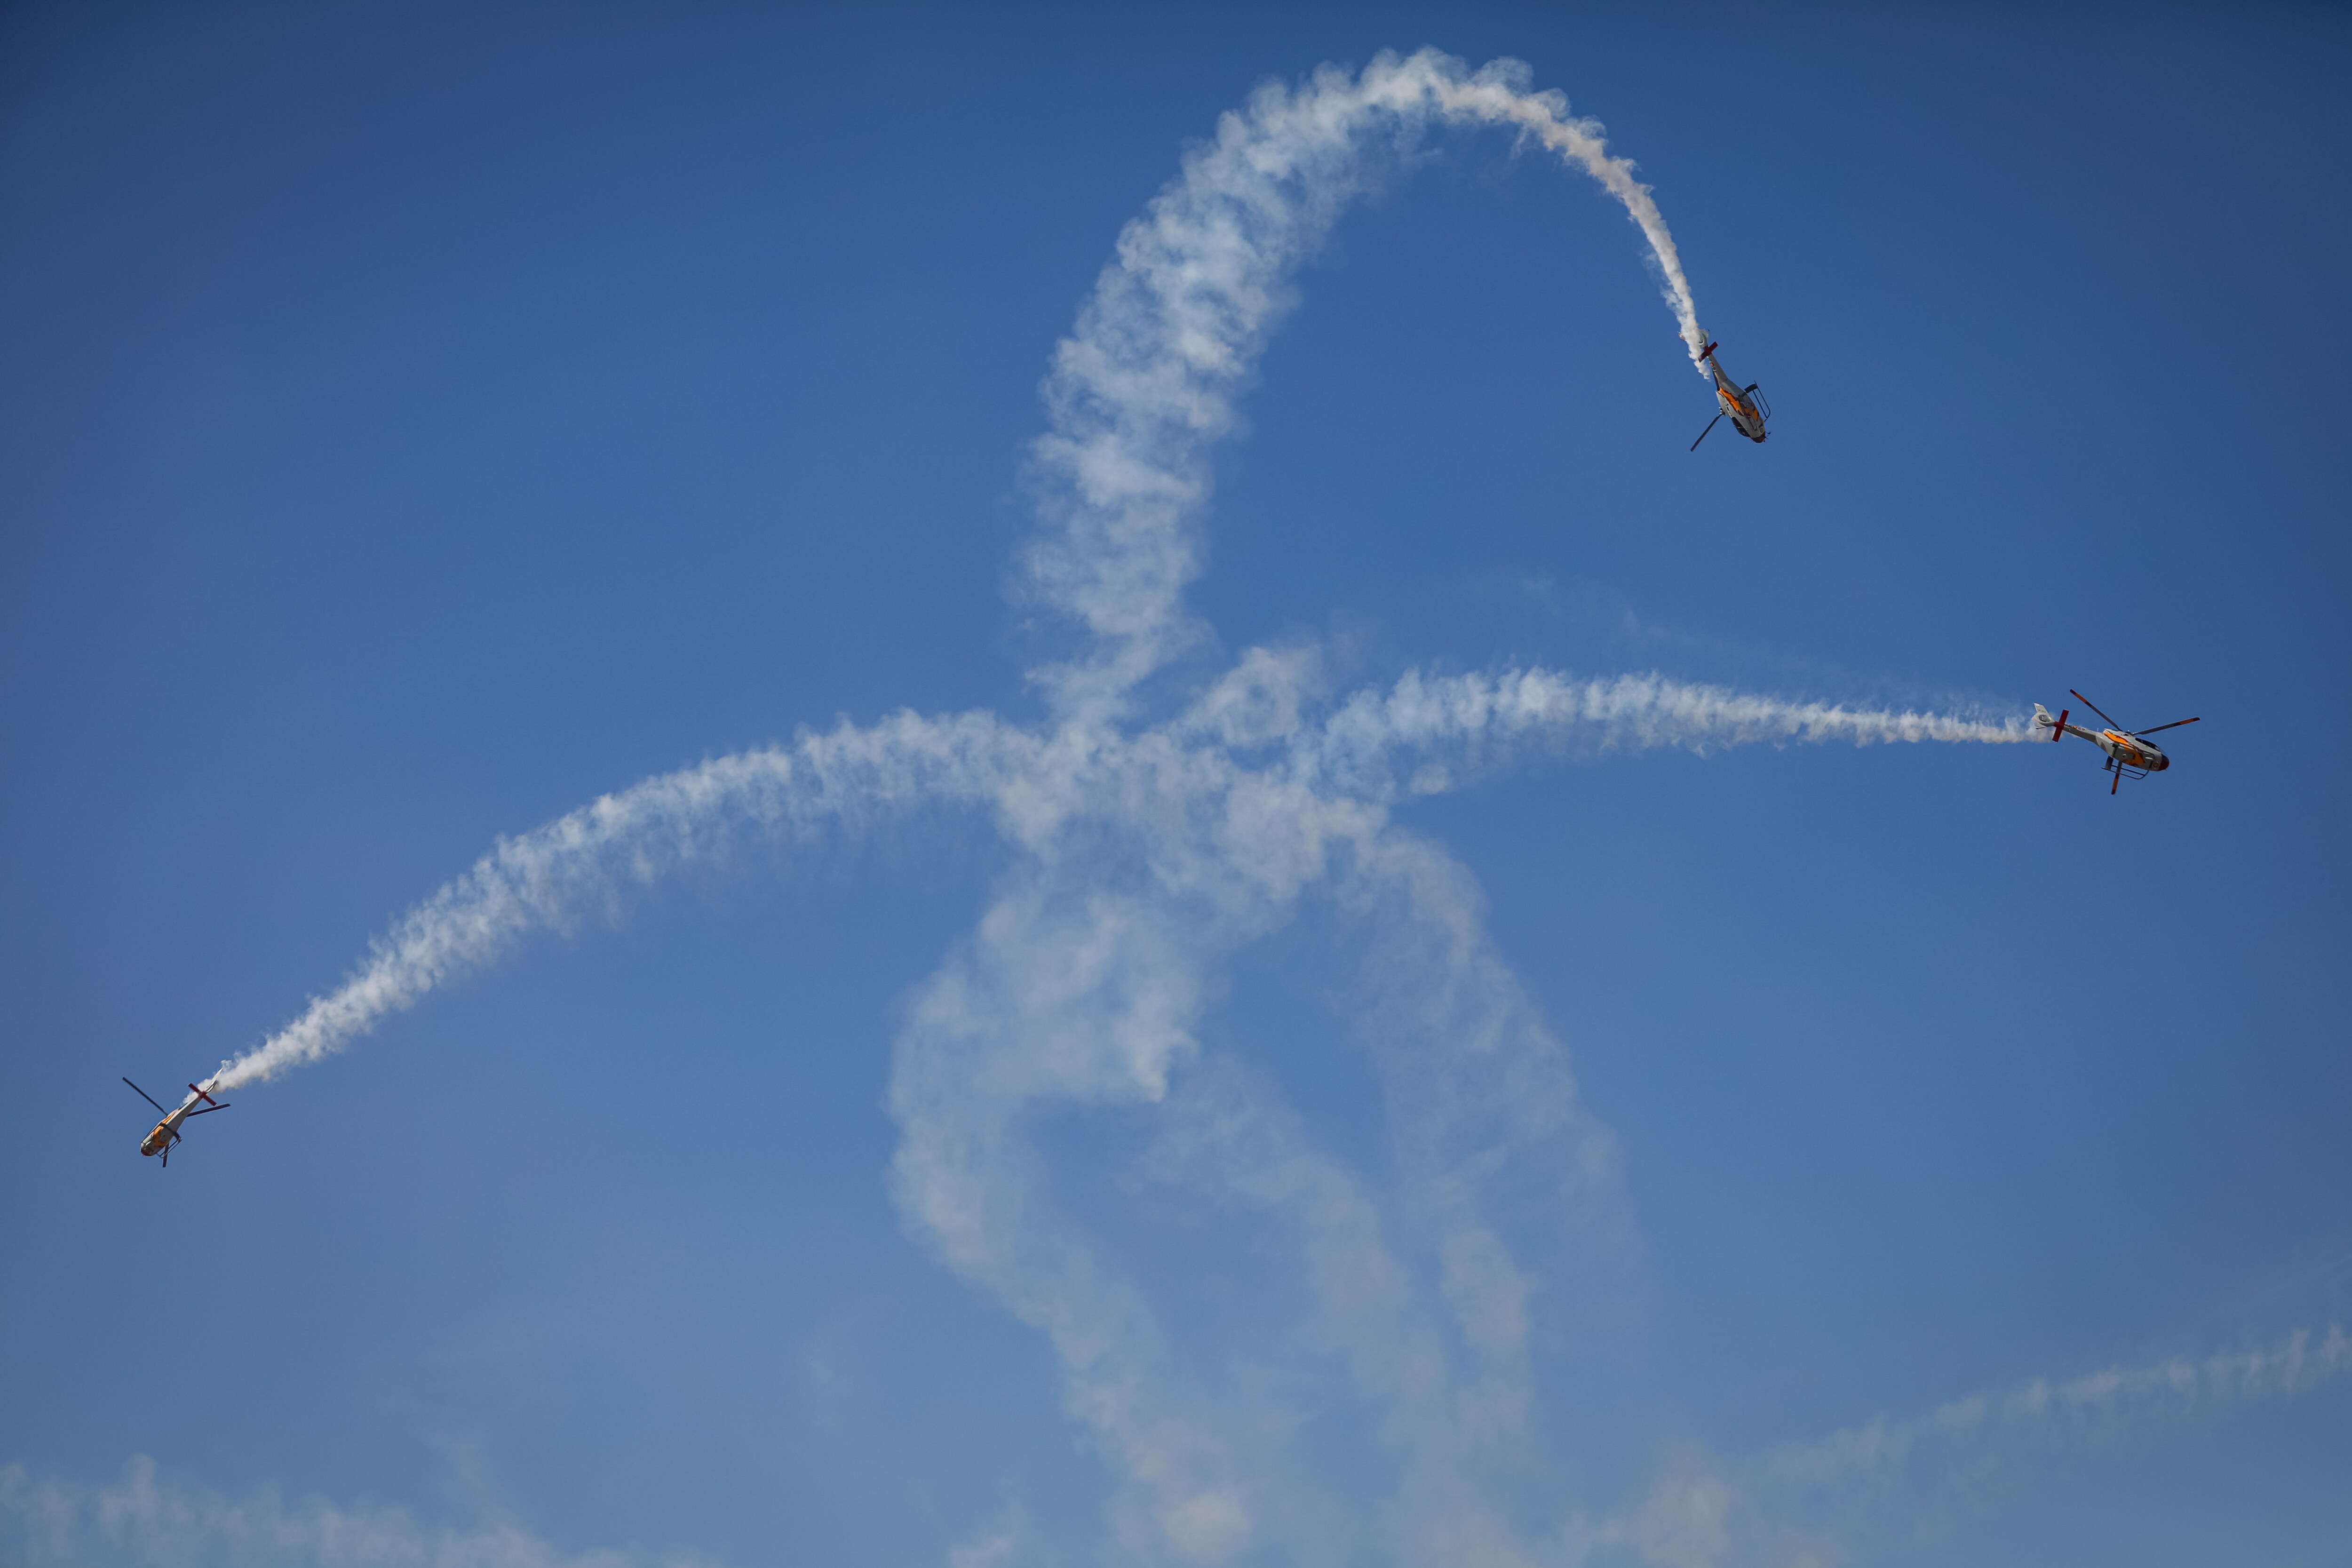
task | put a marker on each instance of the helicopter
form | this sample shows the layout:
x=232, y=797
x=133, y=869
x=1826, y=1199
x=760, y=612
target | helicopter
x=1746, y=405
x=2129, y=754
x=166, y=1133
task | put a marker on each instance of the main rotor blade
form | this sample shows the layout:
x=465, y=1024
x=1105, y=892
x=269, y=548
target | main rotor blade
x=205, y=1111
x=2093, y=707
x=1702, y=435
x=147, y=1097
x=2174, y=725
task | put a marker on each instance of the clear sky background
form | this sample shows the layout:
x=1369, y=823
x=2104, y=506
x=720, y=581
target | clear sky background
x=416, y=422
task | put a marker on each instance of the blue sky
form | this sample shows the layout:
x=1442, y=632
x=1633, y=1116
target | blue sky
x=422, y=423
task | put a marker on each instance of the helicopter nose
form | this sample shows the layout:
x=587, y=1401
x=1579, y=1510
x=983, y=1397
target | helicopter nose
x=2162, y=762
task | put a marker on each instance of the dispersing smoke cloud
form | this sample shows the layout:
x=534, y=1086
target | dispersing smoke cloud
x=149, y=1520
x=1886, y=1481
x=1148, y=855
x=2097, y=1407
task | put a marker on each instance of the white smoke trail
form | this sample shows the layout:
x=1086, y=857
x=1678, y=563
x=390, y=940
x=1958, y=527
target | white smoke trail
x=556, y=876
x=1446, y=723
x=2098, y=1406
x=149, y=1520
x=1086, y=986
x=1823, y=1502
x=1176, y=324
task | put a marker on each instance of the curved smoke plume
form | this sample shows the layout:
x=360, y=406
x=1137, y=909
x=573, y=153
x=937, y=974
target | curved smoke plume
x=1177, y=321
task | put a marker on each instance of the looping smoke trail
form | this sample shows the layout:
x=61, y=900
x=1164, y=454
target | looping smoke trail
x=1144, y=386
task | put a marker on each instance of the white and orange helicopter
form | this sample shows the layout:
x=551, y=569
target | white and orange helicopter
x=2130, y=754
x=166, y=1134
x=1744, y=405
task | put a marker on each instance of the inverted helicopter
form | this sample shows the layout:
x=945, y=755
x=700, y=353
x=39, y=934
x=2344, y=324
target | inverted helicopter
x=1744, y=406
x=166, y=1133
x=2130, y=754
